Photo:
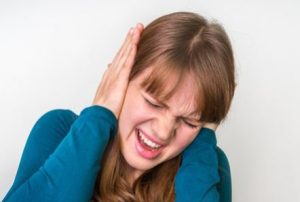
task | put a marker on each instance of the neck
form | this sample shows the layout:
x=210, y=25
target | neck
x=133, y=176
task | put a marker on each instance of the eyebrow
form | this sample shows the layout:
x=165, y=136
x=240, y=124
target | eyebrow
x=184, y=117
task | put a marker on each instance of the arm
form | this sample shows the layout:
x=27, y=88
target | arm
x=46, y=134
x=70, y=172
x=198, y=176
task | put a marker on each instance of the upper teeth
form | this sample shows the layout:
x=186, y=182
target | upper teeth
x=147, y=141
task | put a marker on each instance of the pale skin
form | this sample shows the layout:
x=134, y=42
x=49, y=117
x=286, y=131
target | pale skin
x=112, y=90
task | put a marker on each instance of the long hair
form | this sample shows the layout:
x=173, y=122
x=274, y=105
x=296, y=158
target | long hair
x=174, y=44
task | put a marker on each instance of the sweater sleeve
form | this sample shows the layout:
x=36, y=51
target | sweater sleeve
x=69, y=173
x=197, y=178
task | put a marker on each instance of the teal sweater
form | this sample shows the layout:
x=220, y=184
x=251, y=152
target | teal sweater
x=62, y=156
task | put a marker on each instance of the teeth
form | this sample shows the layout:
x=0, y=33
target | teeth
x=147, y=141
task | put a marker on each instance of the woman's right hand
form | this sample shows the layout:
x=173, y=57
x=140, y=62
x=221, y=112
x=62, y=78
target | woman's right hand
x=112, y=89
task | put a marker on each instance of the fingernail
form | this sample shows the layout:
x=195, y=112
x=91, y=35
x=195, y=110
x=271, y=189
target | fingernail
x=131, y=30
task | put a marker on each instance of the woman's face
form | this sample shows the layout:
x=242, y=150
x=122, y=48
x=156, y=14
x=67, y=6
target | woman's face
x=159, y=127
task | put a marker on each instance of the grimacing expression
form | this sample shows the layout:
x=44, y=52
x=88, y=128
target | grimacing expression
x=142, y=112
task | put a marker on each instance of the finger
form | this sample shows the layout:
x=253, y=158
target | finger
x=124, y=46
x=129, y=46
x=131, y=58
x=133, y=33
x=140, y=26
x=136, y=36
x=122, y=60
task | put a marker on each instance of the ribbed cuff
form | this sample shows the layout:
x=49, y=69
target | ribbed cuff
x=101, y=113
x=205, y=139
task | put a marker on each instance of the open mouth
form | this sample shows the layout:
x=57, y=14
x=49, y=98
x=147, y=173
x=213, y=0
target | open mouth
x=146, y=148
x=147, y=143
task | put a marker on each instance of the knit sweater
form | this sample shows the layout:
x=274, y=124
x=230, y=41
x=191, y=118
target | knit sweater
x=62, y=155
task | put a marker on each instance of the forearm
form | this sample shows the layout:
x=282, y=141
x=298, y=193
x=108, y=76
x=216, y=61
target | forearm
x=70, y=172
x=198, y=176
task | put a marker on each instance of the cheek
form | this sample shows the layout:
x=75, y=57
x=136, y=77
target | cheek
x=136, y=111
x=181, y=142
x=133, y=113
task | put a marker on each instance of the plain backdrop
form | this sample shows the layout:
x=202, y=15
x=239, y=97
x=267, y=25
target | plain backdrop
x=53, y=55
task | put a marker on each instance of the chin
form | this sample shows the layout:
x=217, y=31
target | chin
x=136, y=162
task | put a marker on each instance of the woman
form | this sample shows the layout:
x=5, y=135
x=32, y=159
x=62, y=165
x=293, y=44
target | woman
x=149, y=134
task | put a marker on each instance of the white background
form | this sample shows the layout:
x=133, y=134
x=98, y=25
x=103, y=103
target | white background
x=53, y=54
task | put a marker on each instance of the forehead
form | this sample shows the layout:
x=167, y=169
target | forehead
x=184, y=97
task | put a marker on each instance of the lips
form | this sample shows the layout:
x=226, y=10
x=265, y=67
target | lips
x=150, y=138
x=144, y=150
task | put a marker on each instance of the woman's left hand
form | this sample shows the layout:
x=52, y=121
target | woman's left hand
x=212, y=126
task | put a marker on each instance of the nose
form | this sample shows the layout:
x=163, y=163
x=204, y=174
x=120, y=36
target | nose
x=165, y=127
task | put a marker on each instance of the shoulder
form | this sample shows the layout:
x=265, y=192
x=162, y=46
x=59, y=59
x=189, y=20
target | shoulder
x=56, y=119
x=65, y=115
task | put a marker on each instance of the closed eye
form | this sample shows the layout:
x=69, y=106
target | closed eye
x=151, y=104
x=190, y=125
x=157, y=106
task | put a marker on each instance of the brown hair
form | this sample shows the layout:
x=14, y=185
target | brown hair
x=174, y=44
